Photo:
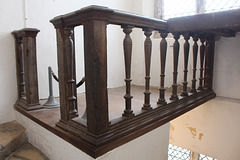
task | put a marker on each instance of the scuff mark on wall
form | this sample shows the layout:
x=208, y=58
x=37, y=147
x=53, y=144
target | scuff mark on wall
x=193, y=131
x=171, y=130
x=200, y=136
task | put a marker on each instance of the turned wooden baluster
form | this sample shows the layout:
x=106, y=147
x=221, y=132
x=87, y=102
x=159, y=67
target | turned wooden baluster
x=72, y=100
x=163, y=54
x=202, y=52
x=174, y=95
x=209, y=61
x=21, y=68
x=148, y=50
x=186, y=55
x=127, y=45
x=195, y=53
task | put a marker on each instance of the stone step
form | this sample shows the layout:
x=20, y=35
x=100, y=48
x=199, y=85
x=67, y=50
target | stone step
x=28, y=152
x=12, y=136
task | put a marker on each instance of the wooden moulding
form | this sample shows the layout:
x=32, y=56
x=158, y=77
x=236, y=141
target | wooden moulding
x=122, y=130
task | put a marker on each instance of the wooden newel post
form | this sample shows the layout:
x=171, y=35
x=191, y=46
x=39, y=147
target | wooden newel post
x=26, y=63
x=95, y=51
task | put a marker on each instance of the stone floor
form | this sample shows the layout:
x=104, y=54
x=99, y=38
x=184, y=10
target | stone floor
x=12, y=136
x=14, y=144
x=27, y=152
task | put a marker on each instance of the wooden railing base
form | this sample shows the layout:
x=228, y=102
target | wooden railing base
x=22, y=103
x=124, y=130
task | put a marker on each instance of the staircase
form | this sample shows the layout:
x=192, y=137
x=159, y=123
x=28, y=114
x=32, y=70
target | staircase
x=14, y=144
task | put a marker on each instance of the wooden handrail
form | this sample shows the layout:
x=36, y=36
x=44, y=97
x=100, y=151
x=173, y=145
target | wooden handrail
x=110, y=16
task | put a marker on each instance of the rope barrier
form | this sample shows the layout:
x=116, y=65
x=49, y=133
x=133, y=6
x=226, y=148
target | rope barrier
x=77, y=85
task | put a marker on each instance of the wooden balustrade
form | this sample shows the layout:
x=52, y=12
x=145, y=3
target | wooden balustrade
x=100, y=133
x=26, y=68
x=96, y=135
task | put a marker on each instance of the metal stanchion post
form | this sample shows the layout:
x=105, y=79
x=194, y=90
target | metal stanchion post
x=51, y=102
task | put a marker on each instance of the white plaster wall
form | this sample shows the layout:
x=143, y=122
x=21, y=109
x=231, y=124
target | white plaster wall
x=11, y=17
x=213, y=128
x=150, y=146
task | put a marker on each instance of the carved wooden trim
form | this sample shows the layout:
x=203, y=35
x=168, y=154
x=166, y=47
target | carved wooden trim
x=127, y=45
x=148, y=50
x=186, y=55
x=163, y=54
x=174, y=95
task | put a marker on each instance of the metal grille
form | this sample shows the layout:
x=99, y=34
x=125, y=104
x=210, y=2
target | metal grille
x=203, y=157
x=221, y=5
x=180, y=8
x=178, y=153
